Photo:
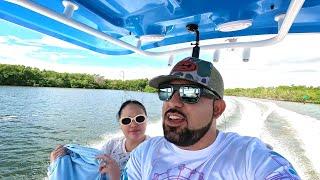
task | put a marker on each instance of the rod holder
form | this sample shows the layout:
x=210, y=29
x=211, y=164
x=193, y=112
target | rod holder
x=216, y=55
x=246, y=54
x=170, y=60
x=69, y=8
x=280, y=19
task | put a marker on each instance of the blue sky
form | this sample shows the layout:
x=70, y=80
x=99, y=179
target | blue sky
x=296, y=60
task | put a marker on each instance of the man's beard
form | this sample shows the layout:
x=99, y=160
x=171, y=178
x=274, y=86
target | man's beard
x=185, y=137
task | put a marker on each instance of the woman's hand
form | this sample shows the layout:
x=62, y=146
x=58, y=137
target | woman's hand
x=59, y=151
x=109, y=166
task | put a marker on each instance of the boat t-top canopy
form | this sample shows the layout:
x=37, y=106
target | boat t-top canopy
x=118, y=27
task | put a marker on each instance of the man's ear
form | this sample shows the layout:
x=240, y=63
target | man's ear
x=218, y=107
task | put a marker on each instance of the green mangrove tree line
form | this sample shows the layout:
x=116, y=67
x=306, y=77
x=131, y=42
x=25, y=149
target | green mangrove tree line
x=285, y=93
x=19, y=75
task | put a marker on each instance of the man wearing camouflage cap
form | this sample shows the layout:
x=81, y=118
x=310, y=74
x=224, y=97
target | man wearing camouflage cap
x=192, y=147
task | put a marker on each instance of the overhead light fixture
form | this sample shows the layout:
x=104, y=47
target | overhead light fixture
x=234, y=25
x=152, y=38
x=216, y=55
x=246, y=55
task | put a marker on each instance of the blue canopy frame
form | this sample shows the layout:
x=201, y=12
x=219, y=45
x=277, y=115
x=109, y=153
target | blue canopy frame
x=151, y=24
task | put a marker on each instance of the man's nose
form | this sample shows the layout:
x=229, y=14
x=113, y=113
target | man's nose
x=175, y=100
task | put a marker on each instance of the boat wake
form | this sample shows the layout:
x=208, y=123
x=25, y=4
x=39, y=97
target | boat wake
x=290, y=133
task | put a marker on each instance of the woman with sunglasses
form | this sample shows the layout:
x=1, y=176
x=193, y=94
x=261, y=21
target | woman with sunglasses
x=132, y=117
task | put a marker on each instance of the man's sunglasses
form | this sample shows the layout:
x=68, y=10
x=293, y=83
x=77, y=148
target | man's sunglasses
x=188, y=93
x=139, y=119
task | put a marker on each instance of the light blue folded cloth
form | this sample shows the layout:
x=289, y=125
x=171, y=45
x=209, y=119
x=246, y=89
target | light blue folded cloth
x=79, y=163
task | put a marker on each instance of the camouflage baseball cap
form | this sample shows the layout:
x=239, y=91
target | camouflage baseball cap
x=195, y=70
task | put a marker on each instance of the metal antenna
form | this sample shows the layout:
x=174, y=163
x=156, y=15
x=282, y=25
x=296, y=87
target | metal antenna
x=196, y=49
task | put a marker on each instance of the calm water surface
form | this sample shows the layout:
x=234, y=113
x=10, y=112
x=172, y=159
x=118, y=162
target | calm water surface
x=34, y=120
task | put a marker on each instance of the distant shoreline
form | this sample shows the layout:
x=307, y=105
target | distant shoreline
x=229, y=92
x=18, y=75
x=292, y=93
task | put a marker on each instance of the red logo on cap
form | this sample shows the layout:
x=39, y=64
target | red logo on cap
x=185, y=65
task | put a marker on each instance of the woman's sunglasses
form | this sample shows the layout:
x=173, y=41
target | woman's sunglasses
x=188, y=93
x=139, y=119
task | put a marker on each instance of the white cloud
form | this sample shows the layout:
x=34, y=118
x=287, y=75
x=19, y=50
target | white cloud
x=18, y=49
x=35, y=56
x=114, y=73
x=51, y=41
x=15, y=52
x=296, y=60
